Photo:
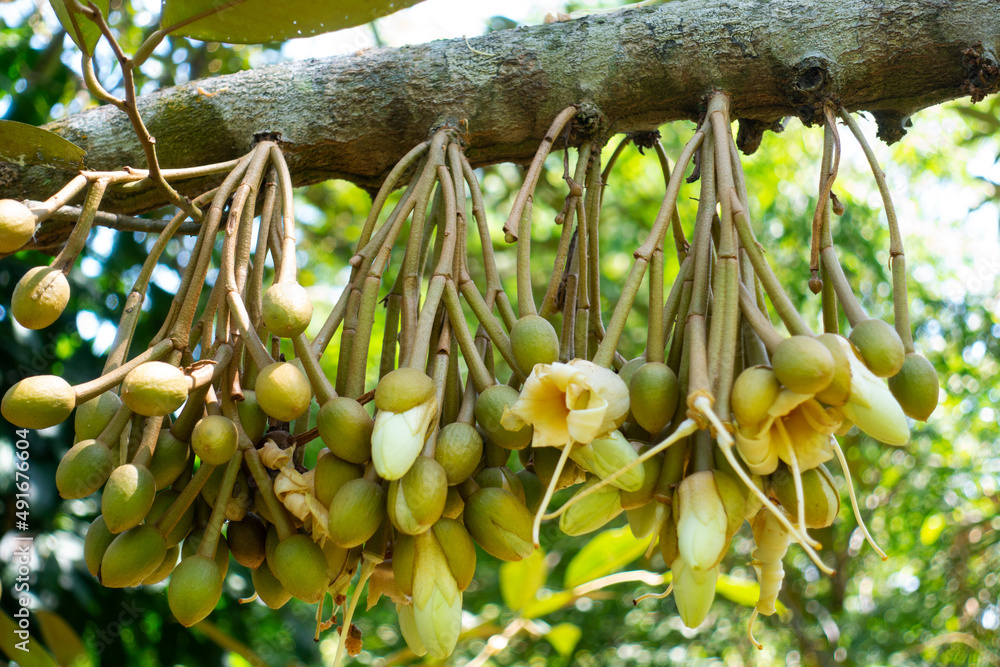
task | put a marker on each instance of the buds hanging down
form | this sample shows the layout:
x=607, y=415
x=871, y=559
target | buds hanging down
x=417, y=500
x=822, y=499
x=407, y=406
x=427, y=478
x=593, y=511
x=499, y=523
x=607, y=454
x=437, y=598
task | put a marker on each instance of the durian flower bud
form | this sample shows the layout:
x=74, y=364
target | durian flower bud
x=459, y=550
x=668, y=536
x=356, y=512
x=693, y=591
x=871, y=406
x=565, y=403
x=417, y=500
x=645, y=519
x=437, y=600
x=819, y=492
x=593, y=511
x=408, y=406
x=702, y=522
x=606, y=455
x=499, y=523
x=501, y=478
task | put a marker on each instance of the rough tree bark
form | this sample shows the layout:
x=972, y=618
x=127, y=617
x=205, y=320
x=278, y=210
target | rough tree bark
x=353, y=117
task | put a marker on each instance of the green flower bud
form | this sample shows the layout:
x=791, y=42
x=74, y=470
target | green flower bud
x=819, y=492
x=161, y=504
x=283, y=391
x=491, y=406
x=252, y=418
x=454, y=504
x=459, y=550
x=128, y=495
x=132, y=556
x=803, y=364
x=644, y=494
x=916, y=387
x=170, y=458
x=628, y=370
x=879, y=345
x=592, y=512
x=93, y=416
x=246, y=540
x=330, y=474
x=286, y=309
x=458, y=449
x=499, y=523
x=83, y=469
x=645, y=519
x=17, y=225
x=194, y=590
x=38, y=402
x=346, y=428
x=754, y=392
x=501, y=478
x=269, y=589
x=98, y=539
x=839, y=389
x=653, y=392
x=417, y=500
x=300, y=565
x=39, y=297
x=533, y=489
x=534, y=341
x=356, y=512
x=155, y=389
x=606, y=455
x=165, y=568
x=214, y=439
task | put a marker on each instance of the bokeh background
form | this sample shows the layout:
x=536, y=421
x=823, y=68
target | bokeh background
x=933, y=505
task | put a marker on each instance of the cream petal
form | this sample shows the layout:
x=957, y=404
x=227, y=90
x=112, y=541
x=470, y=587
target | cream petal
x=871, y=406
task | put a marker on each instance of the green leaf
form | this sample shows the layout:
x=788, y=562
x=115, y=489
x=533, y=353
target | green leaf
x=564, y=638
x=83, y=31
x=931, y=529
x=35, y=656
x=609, y=552
x=25, y=144
x=259, y=21
x=520, y=580
x=537, y=608
x=66, y=645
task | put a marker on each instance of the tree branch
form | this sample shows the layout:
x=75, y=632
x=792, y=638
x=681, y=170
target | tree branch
x=632, y=70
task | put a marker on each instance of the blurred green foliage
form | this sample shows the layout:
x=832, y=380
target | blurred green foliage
x=933, y=506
